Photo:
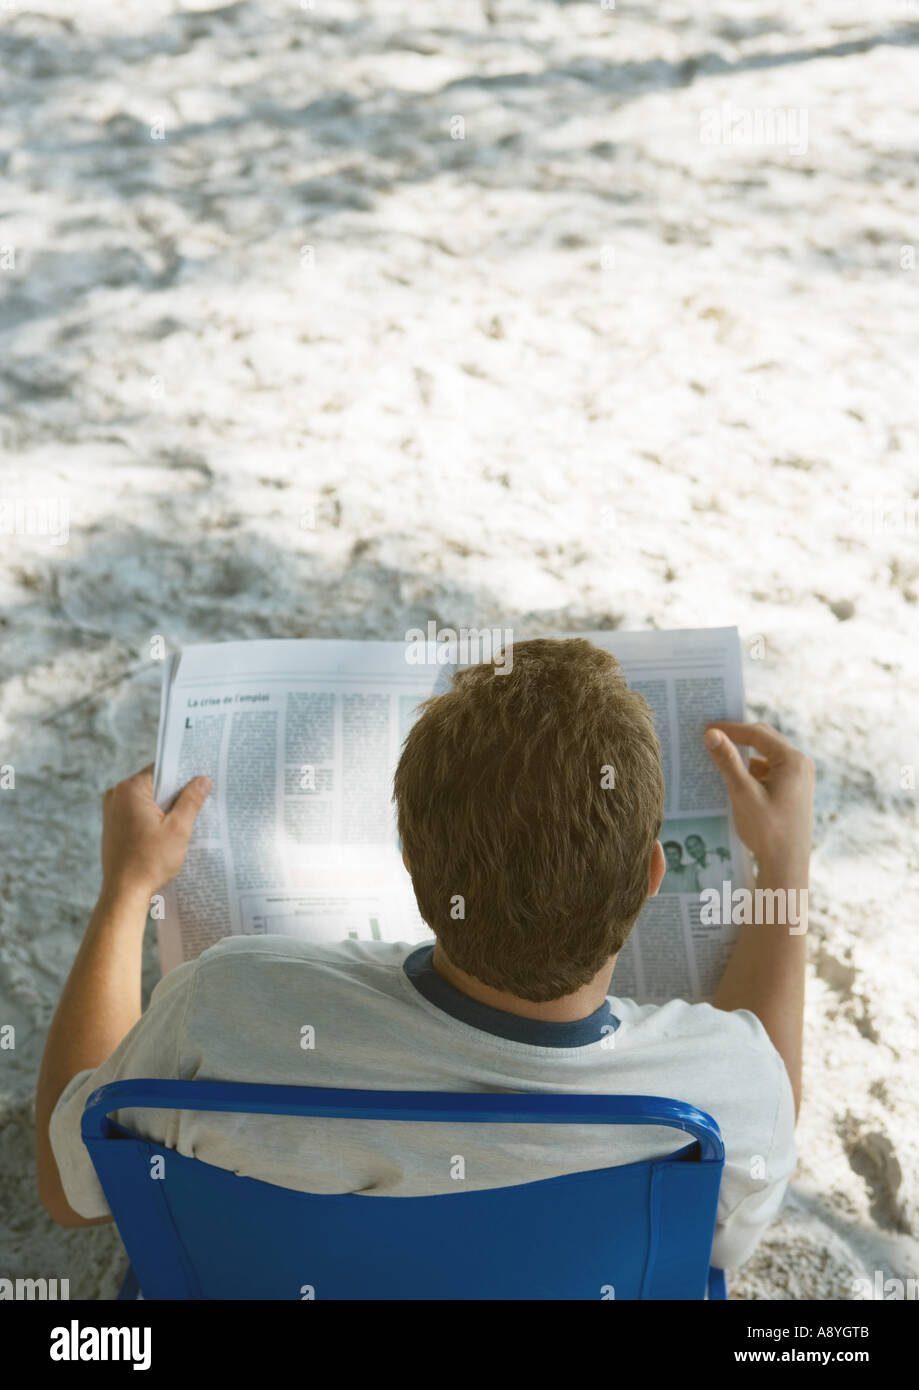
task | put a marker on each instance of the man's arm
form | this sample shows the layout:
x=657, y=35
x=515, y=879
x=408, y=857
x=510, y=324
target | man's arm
x=99, y=1005
x=143, y=848
x=773, y=811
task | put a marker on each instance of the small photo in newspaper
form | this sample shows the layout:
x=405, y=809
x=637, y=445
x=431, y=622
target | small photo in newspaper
x=698, y=854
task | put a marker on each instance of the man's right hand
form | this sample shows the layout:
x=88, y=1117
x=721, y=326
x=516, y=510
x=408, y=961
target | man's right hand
x=773, y=802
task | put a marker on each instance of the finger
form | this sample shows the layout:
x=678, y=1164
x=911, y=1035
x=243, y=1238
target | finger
x=759, y=768
x=141, y=784
x=189, y=802
x=726, y=757
x=762, y=737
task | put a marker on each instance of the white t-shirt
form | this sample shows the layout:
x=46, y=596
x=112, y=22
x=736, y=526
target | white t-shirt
x=713, y=873
x=383, y=1019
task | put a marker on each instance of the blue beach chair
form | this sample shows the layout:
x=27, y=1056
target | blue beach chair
x=638, y=1231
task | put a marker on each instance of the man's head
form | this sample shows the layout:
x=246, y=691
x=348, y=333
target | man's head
x=673, y=853
x=695, y=847
x=529, y=807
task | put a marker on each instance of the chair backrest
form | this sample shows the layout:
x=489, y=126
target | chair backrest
x=641, y=1230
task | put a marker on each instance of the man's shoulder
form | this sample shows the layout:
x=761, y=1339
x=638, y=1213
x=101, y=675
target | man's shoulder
x=241, y=951
x=261, y=983
x=698, y=1025
x=724, y=1062
x=280, y=966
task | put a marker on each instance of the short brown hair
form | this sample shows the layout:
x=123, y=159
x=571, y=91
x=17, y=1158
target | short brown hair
x=501, y=800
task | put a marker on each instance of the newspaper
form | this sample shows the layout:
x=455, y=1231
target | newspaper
x=689, y=678
x=299, y=836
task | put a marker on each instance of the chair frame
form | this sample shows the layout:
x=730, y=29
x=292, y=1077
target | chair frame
x=98, y=1128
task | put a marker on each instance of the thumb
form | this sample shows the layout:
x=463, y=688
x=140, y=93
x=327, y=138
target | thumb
x=725, y=754
x=188, y=803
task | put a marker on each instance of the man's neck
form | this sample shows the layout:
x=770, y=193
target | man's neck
x=584, y=1002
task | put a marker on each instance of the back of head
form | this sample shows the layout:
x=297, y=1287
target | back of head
x=529, y=801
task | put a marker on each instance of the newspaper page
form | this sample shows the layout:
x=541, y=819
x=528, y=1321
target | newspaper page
x=298, y=836
x=689, y=678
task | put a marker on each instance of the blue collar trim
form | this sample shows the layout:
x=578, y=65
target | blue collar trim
x=537, y=1032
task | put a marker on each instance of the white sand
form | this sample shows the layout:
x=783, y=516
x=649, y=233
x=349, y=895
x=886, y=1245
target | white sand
x=578, y=369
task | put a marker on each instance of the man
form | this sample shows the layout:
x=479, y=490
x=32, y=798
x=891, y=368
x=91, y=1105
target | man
x=678, y=877
x=710, y=871
x=530, y=869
